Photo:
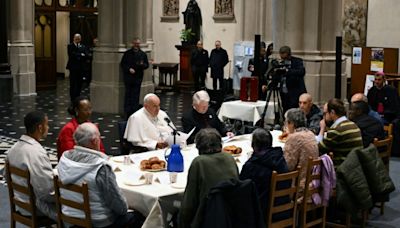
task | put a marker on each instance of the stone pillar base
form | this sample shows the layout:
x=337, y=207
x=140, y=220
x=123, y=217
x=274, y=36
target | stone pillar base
x=22, y=61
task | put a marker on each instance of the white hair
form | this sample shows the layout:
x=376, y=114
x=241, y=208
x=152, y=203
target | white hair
x=201, y=96
x=77, y=34
x=146, y=98
x=85, y=133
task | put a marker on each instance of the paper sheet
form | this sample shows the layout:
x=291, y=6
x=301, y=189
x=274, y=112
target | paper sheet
x=181, y=138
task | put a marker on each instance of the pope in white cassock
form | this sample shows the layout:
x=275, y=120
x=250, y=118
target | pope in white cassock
x=148, y=127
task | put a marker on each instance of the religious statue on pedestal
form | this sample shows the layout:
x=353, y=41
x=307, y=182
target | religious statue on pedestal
x=193, y=20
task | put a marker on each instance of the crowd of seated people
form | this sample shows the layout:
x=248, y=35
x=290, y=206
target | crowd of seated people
x=311, y=133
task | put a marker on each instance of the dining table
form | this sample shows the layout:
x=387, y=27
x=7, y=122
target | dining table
x=152, y=193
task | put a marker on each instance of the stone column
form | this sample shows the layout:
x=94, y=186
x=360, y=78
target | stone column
x=119, y=21
x=139, y=23
x=310, y=27
x=257, y=19
x=107, y=87
x=22, y=53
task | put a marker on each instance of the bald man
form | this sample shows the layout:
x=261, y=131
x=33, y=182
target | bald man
x=77, y=55
x=147, y=127
x=313, y=113
x=199, y=61
x=361, y=97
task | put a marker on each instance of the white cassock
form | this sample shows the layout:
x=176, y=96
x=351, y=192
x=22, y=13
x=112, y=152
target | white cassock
x=143, y=130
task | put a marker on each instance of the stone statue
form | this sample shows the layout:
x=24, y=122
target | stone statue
x=192, y=19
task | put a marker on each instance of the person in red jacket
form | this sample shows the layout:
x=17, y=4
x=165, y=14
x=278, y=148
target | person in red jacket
x=81, y=110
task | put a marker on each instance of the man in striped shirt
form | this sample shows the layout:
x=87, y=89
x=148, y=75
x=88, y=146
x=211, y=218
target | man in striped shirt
x=342, y=135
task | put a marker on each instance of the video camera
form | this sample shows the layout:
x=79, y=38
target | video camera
x=277, y=72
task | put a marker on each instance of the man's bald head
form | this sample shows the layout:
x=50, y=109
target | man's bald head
x=305, y=103
x=359, y=97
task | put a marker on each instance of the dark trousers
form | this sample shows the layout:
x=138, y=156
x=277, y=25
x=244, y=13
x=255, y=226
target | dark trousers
x=132, y=94
x=199, y=79
x=131, y=219
x=221, y=83
x=75, y=83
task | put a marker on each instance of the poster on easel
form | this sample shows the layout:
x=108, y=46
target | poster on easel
x=377, y=57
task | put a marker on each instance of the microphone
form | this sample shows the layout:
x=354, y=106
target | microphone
x=167, y=120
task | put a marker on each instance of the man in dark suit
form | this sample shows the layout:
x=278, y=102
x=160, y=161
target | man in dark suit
x=370, y=127
x=200, y=116
x=292, y=79
x=384, y=99
x=133, y=63
x=199, y=63
x=218, y=60
x=77, y=54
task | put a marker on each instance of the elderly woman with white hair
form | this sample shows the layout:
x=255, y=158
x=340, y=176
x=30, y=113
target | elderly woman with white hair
x=201, y=116
x=301, y=143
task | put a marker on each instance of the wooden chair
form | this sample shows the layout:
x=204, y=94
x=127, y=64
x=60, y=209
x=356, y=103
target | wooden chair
x=308, y=210
x=30, y=206
x=384, y=148
x=82, y=206
x=388, y=129
x=291, y=192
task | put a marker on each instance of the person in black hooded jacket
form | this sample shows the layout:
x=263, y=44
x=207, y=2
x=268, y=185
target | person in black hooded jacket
x=259, y=167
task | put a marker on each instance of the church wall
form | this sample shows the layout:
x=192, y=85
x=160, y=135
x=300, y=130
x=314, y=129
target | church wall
x=383, y=24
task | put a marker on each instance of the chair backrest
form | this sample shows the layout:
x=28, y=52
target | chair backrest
x=309, y=190
x=291, y=192
x=82, y=206
x=24, y=189
x=384, y=147
x=388, y=129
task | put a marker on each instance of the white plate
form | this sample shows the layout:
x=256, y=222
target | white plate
x=135, y=182
x=118, y=159
x=178, y=185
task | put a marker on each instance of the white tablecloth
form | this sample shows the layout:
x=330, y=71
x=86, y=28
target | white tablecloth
x=246, y=111
x=159, y=201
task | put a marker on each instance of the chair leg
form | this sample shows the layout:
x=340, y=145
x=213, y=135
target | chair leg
x=12, y=224
x=382, y=208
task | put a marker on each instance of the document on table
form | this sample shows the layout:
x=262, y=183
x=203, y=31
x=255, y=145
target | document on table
x=181, y=138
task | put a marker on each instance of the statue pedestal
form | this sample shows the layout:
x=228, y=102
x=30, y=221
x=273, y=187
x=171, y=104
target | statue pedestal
x=185, y=84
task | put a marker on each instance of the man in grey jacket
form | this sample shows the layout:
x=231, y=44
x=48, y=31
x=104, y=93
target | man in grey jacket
x=29, y=155
x=85, y=163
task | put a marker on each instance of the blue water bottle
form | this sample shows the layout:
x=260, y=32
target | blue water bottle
x=174, y=159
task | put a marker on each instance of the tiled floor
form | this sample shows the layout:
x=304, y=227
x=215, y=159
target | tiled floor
x=55, y=103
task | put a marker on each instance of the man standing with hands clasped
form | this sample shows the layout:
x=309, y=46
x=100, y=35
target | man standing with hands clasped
x=133, y=63
x=199, y=63
x=218, y=60
x=77, y=55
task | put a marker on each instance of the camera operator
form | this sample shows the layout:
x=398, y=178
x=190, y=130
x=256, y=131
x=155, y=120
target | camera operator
x=290, y=73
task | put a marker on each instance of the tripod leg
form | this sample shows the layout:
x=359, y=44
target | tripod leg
x=260, y=123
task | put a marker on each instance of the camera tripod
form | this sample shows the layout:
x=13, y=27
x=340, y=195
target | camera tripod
x=273, y=90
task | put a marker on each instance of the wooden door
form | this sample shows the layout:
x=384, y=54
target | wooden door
x=45, y=50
